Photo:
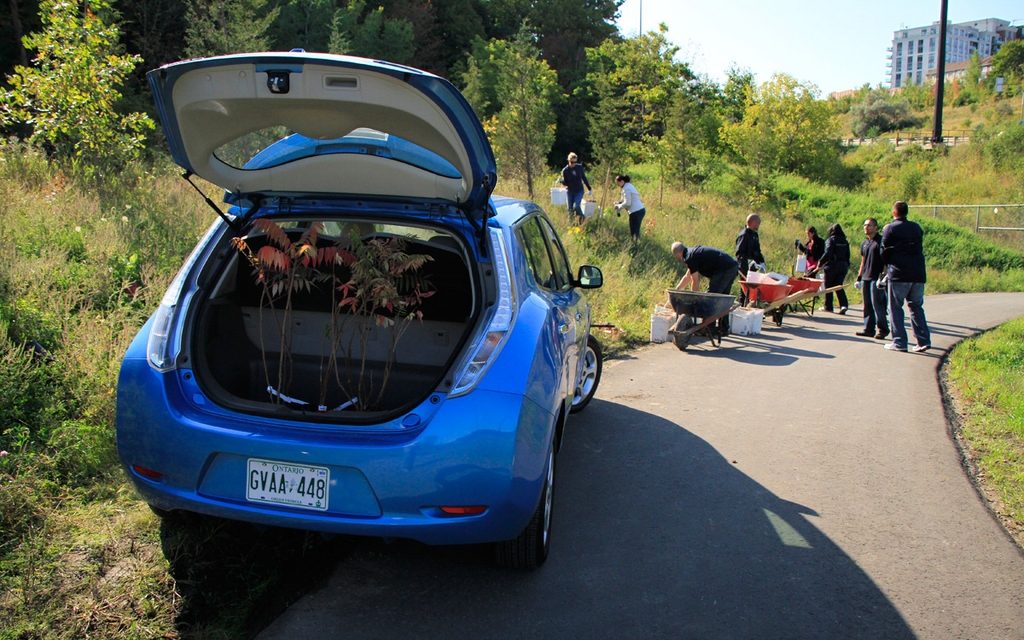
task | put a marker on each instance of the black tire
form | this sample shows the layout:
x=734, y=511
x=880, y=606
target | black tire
x=530, y=548
x=682, y=341
x=590, y=378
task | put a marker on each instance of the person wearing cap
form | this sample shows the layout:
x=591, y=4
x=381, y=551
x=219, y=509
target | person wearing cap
x=716, y=265
x=574, y=176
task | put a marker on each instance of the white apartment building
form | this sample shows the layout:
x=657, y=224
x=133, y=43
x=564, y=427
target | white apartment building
x=914, y=51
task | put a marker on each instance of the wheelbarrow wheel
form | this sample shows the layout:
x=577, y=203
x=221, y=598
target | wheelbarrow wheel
x=682, y=336
x=682, y=340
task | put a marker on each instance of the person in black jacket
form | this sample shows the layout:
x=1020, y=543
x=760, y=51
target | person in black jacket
x=836, y=262
x=748, y=245
x=748, y=249
x=871, y=268
x=903, y=254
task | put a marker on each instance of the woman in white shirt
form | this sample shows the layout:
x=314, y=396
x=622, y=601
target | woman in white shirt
x=631, y=203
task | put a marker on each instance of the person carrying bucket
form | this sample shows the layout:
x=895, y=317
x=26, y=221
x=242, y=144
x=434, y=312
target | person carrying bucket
x=574, y=176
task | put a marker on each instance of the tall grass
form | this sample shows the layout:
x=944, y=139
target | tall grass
x=987, y=375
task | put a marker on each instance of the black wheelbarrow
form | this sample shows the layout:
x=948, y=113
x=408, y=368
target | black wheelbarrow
x=698, y=313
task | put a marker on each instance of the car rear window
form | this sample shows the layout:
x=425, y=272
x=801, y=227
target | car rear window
x=275, y=146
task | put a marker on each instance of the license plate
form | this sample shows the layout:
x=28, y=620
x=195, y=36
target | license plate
x=295, y=485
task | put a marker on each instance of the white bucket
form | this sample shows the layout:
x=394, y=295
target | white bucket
x=745, y=322
x=660, y=322
x=559, y=196
x=589, y=208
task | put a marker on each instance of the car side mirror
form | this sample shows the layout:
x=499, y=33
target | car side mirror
x=589, y=277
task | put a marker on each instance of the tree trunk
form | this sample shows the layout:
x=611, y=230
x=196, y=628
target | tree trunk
x=16, y=26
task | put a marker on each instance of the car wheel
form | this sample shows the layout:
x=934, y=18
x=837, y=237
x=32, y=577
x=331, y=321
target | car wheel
x=529, y=549
x=591, y=376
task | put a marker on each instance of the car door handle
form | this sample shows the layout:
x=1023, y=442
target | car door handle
x=563, y=329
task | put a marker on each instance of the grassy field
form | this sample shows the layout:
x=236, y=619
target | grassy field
x=82, y=267
x=986, y=375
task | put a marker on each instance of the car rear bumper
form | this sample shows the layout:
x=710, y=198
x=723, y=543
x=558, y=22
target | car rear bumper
x=483, y=449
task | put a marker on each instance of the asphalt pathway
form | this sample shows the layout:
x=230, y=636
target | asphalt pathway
x=800, y=483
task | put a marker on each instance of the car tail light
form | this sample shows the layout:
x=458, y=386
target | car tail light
x=487, y=343
x=161, y=349
x=147, y=473
x=463, y=511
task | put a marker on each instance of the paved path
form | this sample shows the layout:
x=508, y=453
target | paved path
x=796, y=484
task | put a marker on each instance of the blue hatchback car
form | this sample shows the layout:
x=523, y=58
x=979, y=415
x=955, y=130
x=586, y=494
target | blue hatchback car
x=366, y=341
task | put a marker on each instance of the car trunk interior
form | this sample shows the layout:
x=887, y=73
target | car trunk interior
x=299, y=357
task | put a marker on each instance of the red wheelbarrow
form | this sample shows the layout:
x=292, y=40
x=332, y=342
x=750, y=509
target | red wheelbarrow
x=698, y=312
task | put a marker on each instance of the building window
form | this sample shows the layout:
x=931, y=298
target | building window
x=899, y=65
x=918, y=77
x=899, y=49
x=931, y=43
x=920, y=46
x=898, y=78
x=920, y=64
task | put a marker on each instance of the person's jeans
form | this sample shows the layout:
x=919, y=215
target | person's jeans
x=635, y=219
x=876, y=307
x=834, y=276
x=913, y=294
x=575, y=204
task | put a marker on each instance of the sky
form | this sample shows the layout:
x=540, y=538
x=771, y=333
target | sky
x=836, y=46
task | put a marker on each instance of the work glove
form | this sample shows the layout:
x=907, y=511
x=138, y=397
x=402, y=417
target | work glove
x=590, y=194
x=796, y=243
x=858, y=285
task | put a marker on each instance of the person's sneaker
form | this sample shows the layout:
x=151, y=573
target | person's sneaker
x=866, y=334
x=921, y=348
x=881, y=336
x=842, y=311
x=824, y=309
x=892, y=347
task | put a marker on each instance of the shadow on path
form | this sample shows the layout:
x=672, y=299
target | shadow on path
x=655, y=534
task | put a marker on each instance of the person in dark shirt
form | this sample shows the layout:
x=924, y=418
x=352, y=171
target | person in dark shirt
x=875, y=304
x=748, y=249
x=813, y=249
x=902, y=252
x=574, y=176
x=717, y=266
x=714, y=264
x=748, y=245
x=836, y=263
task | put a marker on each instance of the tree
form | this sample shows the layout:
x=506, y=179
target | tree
x=635, y=83
x=786, y=128
x=304, y=24
x=371, y=35
x=219, y=27
x=692, y=141
x=1008, y=63
x=523, y=129
x=880, y=112
x=69, y=97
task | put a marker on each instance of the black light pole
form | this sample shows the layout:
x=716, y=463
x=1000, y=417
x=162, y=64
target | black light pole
x=940, y=78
